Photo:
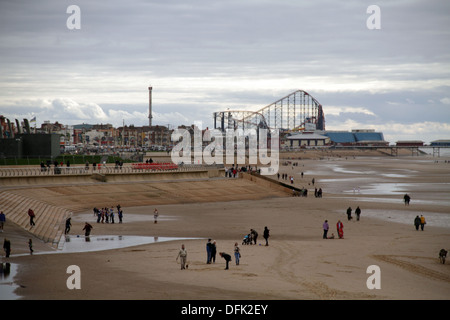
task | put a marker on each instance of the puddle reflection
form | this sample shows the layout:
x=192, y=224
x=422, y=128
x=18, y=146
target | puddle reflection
x=7, y=285
x=108, y=242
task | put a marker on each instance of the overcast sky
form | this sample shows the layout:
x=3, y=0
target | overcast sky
x=202, y=56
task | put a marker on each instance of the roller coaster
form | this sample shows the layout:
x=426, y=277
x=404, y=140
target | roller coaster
x=290, y=113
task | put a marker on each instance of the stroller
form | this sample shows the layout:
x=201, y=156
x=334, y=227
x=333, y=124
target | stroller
x=247, y=239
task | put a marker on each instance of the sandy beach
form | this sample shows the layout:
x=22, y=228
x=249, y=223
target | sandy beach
x=298, y=264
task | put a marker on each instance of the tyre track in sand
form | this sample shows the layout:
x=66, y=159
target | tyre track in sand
x=287, y=265
x=413, y=267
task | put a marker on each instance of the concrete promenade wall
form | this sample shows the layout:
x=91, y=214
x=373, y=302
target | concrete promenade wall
x=269, y=183
x=50, y=219
x=23, y=177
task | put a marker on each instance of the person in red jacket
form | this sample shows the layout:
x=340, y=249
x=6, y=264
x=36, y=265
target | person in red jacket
x=340, y=229
x=32, y=215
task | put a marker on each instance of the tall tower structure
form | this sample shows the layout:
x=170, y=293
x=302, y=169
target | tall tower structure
x=150, y=106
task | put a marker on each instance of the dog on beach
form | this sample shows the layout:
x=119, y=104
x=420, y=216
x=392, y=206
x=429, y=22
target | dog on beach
x=442, y=255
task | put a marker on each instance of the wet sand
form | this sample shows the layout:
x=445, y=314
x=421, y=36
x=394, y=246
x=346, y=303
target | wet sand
x=297, y=265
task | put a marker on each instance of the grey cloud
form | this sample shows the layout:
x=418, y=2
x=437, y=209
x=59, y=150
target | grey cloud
x=203, y=56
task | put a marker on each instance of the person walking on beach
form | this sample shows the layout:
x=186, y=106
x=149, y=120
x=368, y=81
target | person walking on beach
x=30, y=245
x=406, y=199
x=340, y=229
x=2, y=221
x=227, y=258
x=182, y=254
x=237, y=253
x=325, y=229
x=358, y=213
x=7, y=247
x=422, y=222
x=87, y=229
x=266, y=235
x=32, y=216
x=349, y=213
x=417, y=222
x=68, y=224
x=155, y=215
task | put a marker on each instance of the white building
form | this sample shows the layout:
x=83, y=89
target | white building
x=307, y=139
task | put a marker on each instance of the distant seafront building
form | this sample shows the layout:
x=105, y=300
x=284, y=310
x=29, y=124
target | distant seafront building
x=317, y=138
x=359, y=137
x=307, y=139
x=440, y=143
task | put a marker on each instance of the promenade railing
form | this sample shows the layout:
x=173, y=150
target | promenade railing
x=29, y=171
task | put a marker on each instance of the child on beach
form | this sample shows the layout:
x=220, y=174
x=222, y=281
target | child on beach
x=237, y=253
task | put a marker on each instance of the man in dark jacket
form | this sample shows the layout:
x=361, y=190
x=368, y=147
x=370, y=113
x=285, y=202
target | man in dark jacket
x=417, y=222
x=227, y=258
x=7, y=247
x=266, y=235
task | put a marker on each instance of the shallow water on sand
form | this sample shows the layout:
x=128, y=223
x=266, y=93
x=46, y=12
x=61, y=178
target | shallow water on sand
x=7, y=285
x=107, y=242
x=387, y=184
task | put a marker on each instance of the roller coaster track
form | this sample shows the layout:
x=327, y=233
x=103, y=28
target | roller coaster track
x=291, y=112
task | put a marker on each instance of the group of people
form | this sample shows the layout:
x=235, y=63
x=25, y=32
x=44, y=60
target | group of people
x=87, y=227
x=284, y=176
x=339, y=224
x=419, y=222
x=233, y=172
x=357, y=212
x=7, y=246
x=339, y=229
x=107, y=215
x=211, y=251
x=252, y=237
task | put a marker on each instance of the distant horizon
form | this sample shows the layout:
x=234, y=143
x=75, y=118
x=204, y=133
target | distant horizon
x=176, y=126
